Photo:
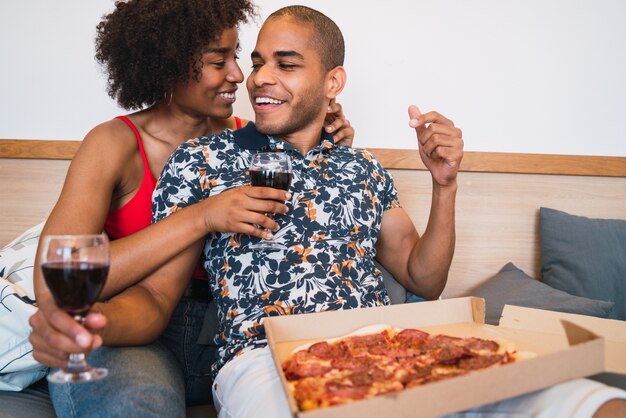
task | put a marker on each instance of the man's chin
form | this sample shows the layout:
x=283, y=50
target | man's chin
x=267, y=128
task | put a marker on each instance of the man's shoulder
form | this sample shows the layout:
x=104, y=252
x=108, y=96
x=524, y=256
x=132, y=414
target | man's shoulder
x=203, y=146
x=358, y=154
x=215, y=141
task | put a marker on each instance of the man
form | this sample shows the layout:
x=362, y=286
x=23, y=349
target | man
x=341, y=212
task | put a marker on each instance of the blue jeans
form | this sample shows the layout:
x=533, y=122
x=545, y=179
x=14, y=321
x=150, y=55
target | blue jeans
x=412, y=298
x=155, y=380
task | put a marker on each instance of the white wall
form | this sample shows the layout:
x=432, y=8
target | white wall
x=536, y=76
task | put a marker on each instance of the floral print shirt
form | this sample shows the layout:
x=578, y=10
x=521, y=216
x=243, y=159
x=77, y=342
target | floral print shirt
x=339, y=195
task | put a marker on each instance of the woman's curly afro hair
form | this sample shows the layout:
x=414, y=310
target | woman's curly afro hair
x=147, y=46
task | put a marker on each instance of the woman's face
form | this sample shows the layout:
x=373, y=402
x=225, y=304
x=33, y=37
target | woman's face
x=213, y=94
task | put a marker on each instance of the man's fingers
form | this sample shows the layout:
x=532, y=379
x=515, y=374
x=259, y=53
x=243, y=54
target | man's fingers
x=437, y=129
x=414, y=114
x=439, y=142
x=416, y=121
x=451, y=155
x=415, y=117
x=435, y=117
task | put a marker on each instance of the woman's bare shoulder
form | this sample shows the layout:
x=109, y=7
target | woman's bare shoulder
x=113, y=138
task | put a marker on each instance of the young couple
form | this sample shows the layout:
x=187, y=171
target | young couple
x=341, y=211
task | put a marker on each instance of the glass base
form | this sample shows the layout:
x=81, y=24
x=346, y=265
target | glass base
x=267, y=246
x=88, y=375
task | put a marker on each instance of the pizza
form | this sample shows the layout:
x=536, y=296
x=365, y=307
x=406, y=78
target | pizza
x=362, y=366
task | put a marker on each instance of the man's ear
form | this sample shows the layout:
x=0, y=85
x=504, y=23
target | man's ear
x=335, y=82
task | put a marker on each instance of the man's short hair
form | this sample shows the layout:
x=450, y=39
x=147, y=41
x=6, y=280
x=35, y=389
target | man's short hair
x=327, y=37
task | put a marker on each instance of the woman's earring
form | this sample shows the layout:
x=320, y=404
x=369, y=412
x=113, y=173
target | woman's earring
x=169, y=102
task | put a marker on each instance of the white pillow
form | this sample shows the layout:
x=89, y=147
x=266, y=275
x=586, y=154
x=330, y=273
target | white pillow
x=18, y=368
x=17, y=261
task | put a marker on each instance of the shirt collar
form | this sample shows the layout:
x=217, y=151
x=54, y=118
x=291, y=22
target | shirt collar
x=251, y=139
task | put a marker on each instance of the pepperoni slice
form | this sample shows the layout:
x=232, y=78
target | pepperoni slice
x=437, y=341
x=364, y=343
x=352, y=363
x=302, y=365
x=450, y=354
x=480, y=362
x=411, y=337
x=342, y=390
x=478, y=344
x=321, y=350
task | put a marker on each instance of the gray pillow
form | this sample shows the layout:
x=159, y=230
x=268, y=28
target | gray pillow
x=511, y=286
x=585, y=257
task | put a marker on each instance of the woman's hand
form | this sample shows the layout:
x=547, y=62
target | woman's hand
x=337, y=124
x=56, y=334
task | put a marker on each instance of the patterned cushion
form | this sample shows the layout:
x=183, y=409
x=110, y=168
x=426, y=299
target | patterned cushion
x=18, y=368
x=17, y=260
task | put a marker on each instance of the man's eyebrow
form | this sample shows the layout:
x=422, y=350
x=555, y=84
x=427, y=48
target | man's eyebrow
x=279, y=54
x=288, y=54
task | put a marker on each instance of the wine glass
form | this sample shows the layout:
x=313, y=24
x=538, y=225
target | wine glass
x=270, y=169
x=75, y=268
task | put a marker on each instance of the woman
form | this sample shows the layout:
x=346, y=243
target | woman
x=176, y=61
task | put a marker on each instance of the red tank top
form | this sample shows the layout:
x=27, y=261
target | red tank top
x=136, y=214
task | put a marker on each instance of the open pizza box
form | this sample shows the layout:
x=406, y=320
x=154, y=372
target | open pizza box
x=555, y=358
x=613, y=332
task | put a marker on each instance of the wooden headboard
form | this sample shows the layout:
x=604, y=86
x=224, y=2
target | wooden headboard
x=497, y=204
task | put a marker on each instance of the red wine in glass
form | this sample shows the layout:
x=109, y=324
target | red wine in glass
x=268, y=178
x=75, y=268
x=270, y=169
x=75, y=285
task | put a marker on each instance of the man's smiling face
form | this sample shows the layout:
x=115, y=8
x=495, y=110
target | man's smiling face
x=286, y=86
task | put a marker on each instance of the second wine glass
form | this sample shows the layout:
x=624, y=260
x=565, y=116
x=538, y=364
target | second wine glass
x=75, y=268
x=270, y=169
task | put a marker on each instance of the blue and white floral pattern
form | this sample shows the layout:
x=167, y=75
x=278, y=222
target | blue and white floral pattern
x=339, y=195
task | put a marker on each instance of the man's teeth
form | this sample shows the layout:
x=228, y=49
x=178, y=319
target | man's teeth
x=229, y=96
x=268, y=100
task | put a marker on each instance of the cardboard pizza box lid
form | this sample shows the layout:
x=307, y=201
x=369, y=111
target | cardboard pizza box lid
x=554, y=363
x=613, y=331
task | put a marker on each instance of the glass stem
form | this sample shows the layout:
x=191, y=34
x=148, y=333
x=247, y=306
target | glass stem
x=77, y=362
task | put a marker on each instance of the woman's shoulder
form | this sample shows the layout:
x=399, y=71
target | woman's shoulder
x=113, y=139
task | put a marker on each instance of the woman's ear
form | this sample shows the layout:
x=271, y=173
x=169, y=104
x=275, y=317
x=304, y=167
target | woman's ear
x=335, y=82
